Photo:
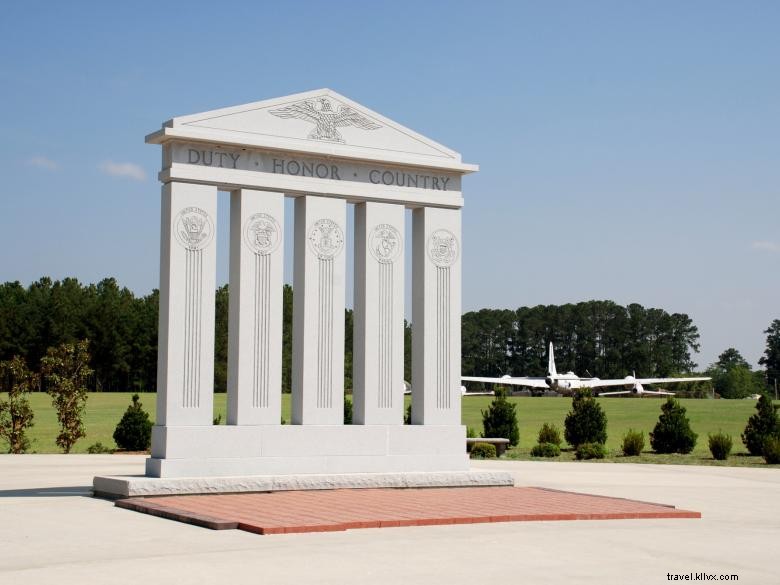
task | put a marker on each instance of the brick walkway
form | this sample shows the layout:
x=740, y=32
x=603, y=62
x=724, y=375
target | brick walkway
x=329, y=510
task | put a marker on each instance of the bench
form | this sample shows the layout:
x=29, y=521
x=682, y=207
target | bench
x=500, y=444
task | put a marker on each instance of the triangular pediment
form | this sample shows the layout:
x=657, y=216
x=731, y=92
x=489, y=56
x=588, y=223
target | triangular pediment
x=317, y=122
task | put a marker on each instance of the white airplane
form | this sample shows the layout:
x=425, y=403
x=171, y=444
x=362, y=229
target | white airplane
x=568, y=382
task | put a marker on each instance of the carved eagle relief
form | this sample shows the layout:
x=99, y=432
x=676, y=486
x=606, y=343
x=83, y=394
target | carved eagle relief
x=326, y=120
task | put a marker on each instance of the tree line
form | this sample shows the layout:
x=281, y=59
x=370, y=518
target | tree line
x=600, y=338
x=122, y=331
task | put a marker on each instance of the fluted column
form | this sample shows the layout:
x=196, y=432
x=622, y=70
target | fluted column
x=436, y=316
x=185, y=370
x=378, y=342
x=255, y=313
x=318, y=311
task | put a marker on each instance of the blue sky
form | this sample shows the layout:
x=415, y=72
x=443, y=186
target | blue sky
x=628, y=151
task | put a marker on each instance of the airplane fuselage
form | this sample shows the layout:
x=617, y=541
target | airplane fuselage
x=568, y=382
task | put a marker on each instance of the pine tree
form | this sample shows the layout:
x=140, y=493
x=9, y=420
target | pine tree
x=134, y=431
x=761, y=426
x=586, y=421
x=672, y=432
x=500, y=420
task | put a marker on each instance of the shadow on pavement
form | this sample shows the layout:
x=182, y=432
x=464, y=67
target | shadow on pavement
x=50, y=492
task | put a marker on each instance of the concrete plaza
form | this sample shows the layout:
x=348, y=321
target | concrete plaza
x=51, y=531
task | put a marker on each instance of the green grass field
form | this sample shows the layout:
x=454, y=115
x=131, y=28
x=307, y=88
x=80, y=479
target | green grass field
x=707, y=416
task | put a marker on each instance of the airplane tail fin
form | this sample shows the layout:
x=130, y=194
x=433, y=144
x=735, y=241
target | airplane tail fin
x=551, y=371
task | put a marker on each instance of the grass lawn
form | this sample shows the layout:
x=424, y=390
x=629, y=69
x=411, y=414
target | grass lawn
x=707, y=416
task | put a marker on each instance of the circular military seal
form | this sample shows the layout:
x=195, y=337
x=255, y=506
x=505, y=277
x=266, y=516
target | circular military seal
x=262, y=233
x=385, y=243
x=443, y=248
x=193, y=228
x=326, y=238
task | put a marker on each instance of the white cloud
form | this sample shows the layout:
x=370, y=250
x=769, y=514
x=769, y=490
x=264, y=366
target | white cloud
x=766, y=246
x=41, y=162
x=128, y=170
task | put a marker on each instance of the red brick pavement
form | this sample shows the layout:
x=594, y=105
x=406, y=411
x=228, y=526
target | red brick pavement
x=329, y=510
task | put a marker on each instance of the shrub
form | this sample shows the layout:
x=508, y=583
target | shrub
x=586, y=421
x=771, y=450
x=720, y=445
x=761, y=425
x=483, y=451
x=347, y=411
x=590, y=451
x=134, y=431
x=633, y=443
x=471, y=433
x=217, y=419
x=500, y=420
x=672, y=432
x=99, y=447
x=545, y=450
x=408, y=415
x=549, y=434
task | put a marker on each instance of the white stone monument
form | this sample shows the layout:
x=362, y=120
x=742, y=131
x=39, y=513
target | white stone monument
x=325, y=151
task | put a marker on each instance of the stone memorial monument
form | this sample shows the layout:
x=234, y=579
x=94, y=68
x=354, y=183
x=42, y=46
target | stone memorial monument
x=325, y=151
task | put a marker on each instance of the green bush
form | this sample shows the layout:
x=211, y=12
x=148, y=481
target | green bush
x=347, y=411
x=720, y=445
x=134, y=431
x=586, y=421
x=672, y=432
x=545, y=450
x=761, y=425
x=590, y=451
x=408, y=415
x=483, y=451
x=99, y=447
x=500, y=420
x=549, y=434
x=633, y=443
x=471, y=433
x=771, y=450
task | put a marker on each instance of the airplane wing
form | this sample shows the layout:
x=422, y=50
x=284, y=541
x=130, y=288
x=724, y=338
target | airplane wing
x=527, y=382
x=615, y=393
x=655, y=392
x=670, y=380
x=630, y=382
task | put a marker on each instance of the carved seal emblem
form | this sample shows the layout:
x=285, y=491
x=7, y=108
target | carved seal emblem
x=385, y=243
x=262, y=233
x=443, y=248
x=193, y=228
x=326, y=238
x=325, y=118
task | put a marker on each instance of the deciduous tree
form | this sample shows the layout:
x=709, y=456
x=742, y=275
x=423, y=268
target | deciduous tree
x=66, y=369
x=16, y=416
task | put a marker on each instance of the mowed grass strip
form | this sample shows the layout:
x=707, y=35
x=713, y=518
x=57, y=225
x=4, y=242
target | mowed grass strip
x=104, y=409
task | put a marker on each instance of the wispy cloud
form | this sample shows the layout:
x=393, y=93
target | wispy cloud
x=41, y=162
x=766, y=246
x=127, y=170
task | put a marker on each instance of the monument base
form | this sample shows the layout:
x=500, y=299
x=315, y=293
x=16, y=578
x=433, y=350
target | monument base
x=240, y=450
x=139, y=486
